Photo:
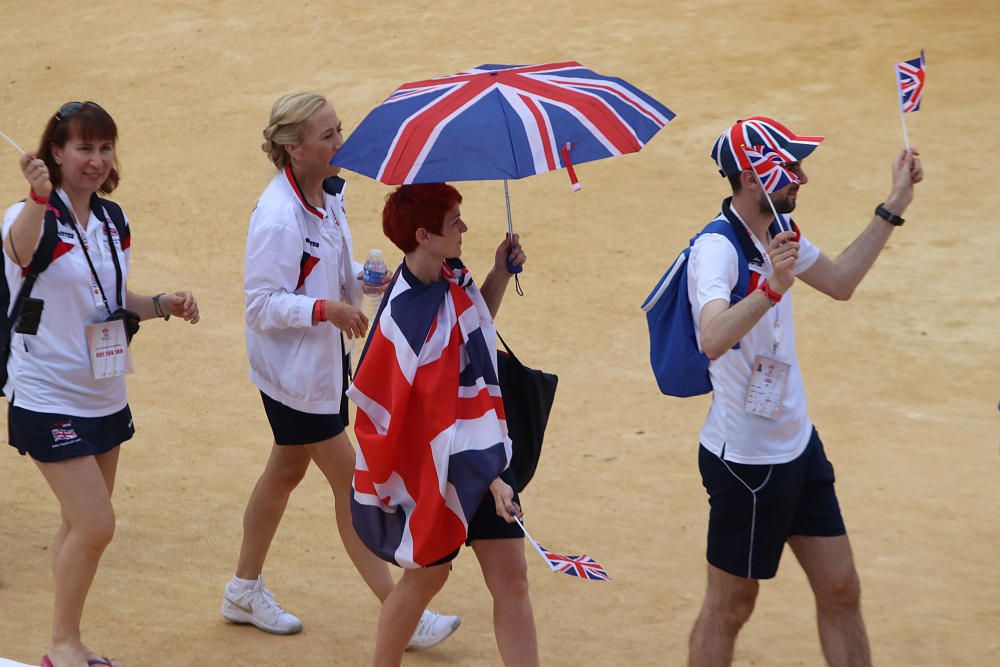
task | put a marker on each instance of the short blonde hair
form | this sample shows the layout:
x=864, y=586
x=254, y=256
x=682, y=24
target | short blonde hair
x=287, y=124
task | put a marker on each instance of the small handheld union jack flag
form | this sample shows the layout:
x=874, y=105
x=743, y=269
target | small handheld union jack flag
x=769, y=167
x=582, y=566
x=910, y=77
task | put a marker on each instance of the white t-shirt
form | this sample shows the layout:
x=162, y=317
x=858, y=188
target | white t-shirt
x=50, y=371
x=747, y=438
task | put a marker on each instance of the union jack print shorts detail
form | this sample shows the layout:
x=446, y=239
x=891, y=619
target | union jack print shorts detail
x=50, y=437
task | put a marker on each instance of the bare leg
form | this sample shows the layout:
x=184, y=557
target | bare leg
x=402, y=609
x=108, y=464
x=88, y=526
x=829, y=564
x=335, y=457
x=506, y=575
x=729, y=601
x=285, y=468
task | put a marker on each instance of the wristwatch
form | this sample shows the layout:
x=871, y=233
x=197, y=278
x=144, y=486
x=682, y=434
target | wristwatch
x=890, y=217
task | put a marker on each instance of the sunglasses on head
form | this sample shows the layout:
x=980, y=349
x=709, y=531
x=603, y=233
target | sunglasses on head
x=70, y=108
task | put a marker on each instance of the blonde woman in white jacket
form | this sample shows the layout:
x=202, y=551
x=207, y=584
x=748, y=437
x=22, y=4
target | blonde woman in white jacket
x=301, y=284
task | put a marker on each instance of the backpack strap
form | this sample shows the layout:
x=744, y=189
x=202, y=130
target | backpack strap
x=42, y=257
x=40, y=260
x=118, y=220
x=114, y=211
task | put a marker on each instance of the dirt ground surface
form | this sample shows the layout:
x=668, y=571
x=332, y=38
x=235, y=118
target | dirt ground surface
x=903, y=379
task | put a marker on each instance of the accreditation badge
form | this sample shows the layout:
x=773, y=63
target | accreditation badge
x=767, y=387
x=109, y=351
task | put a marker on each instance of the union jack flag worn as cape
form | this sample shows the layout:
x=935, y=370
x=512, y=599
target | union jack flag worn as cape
x=910, y=77
x=583, y=566
x=431, y=429
x=759, y=131
x=497, y=122
x=770, y=168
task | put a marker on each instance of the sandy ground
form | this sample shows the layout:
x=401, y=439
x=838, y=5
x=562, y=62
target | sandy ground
x=903, y=379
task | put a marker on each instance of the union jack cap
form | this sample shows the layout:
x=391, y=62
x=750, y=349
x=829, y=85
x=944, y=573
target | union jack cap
x=759, y=131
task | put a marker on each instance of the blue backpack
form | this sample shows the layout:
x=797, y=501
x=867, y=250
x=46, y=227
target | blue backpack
x=681, y=369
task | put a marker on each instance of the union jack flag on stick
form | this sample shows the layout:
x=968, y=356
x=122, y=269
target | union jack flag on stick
x=582, y=566
x=769, y=170
x=910, y=77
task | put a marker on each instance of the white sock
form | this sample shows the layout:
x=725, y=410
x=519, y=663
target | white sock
x=238, y=586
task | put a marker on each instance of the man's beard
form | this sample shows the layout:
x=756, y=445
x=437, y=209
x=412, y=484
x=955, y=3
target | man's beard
x=782, y=205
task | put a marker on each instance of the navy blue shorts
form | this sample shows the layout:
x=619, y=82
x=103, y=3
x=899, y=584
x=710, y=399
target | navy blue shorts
x=485, y=524
x=293, y=427
x=756, y=508
x=50, y=437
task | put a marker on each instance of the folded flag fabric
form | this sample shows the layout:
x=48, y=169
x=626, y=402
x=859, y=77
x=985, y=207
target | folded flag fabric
x=431, y=429
x=910, y=78
x=770, y=168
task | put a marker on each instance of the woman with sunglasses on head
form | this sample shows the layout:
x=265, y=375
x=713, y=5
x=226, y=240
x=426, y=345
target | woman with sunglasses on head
x=301, y=285
x=66, y=386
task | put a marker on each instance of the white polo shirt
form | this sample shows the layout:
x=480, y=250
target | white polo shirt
x=50, y=371
x=297, y=254
x=747, y=438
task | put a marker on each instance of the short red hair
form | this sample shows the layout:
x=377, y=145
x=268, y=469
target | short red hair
x=410, y=207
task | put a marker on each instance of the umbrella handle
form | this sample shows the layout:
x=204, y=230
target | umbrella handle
x=510, y=229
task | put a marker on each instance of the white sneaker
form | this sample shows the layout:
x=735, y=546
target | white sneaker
x=433, y=629
x=258, y=607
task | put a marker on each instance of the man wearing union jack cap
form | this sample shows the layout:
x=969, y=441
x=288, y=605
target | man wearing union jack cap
x=761, y=460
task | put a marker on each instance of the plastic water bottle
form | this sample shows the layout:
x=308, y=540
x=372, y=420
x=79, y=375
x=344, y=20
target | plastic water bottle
x=371, y=282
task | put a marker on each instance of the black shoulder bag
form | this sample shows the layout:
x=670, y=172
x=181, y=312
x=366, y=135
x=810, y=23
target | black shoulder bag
x=527, y=401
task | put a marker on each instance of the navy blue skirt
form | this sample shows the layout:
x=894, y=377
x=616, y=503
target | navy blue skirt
x=50, y=437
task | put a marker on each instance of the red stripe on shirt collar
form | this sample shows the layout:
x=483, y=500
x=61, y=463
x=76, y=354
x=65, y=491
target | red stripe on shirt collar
x=298, y=193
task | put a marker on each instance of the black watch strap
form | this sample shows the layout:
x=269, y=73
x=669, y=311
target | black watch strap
x=890, y=217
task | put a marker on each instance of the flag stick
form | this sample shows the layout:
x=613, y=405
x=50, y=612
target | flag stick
x=12, y=143
x=899, y=101
x=764, y=190
x=534, y=543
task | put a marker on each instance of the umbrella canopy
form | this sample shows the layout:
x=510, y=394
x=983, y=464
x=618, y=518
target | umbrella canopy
x=500, y=122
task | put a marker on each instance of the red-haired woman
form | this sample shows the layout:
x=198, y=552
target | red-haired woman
x=432, y=470
x=66, y=386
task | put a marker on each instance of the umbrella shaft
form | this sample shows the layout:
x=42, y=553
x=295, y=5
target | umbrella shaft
x=506, y=196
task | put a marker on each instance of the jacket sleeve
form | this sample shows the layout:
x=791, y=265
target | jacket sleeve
x=274, y=261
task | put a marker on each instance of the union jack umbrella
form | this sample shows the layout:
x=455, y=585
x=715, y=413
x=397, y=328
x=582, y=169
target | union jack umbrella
x=583, y=566
x=498, y=122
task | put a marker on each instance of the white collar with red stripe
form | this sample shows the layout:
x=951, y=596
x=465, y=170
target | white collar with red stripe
x=332, y=186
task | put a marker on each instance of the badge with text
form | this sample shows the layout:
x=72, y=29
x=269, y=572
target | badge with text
x=109, y=352
x=767, y=387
